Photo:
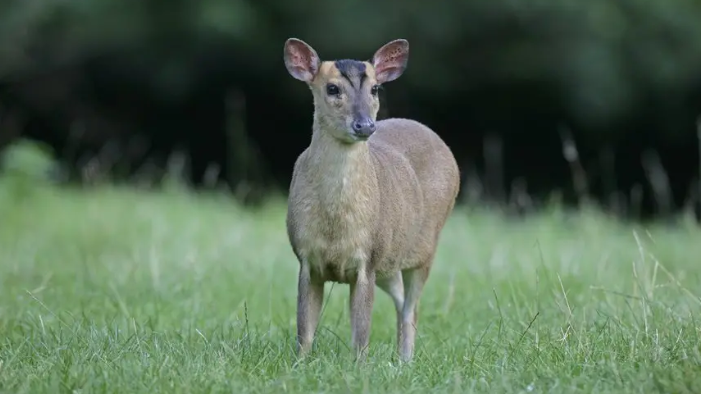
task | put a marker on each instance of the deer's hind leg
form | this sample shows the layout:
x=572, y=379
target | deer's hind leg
x=414, y=280
x=394, y=287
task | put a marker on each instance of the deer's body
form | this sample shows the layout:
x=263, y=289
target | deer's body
x=367, y=200
x=383, y=202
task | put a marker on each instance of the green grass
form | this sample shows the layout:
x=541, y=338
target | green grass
x=131, y=292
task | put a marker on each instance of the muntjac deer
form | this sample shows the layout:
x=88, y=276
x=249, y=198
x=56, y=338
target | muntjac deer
x=368, y=199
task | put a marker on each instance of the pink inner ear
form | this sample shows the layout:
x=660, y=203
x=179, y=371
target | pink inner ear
x=390, y=62
x=302, y=60
x=299, y=58
x=387, y=67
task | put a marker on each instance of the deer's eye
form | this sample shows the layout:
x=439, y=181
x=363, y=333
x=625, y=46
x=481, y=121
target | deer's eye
x=332, y=90
x=374, y=89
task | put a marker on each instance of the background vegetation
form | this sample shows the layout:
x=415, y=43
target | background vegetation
x=120, y=286
x=506, y=83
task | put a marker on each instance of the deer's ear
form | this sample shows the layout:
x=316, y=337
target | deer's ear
x=390, y=61
x=301, y=60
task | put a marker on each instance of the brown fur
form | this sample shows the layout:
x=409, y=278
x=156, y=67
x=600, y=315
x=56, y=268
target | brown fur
x=365, y=212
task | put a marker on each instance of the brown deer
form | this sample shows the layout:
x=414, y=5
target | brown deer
x=367, y=199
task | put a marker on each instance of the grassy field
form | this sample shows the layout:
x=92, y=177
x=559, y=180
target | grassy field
x=131, y=292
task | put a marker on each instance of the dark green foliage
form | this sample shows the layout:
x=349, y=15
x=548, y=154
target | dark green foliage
x=602, y=54
x=624, y=75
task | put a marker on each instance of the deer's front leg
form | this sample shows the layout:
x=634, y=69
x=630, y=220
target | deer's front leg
x=362, y=295
x=310, y=296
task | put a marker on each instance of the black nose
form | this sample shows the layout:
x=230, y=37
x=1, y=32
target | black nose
x=364, y=127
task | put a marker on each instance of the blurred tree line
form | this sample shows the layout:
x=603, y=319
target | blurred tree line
x=596, y=97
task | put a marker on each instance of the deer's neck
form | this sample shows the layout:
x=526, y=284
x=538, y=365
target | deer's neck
x=343, y=173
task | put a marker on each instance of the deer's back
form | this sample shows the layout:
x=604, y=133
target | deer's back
x=418, y=179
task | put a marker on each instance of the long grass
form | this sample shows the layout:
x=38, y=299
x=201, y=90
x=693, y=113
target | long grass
x=120, y=291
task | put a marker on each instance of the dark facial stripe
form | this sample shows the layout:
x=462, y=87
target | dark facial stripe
x=351, y=69
x=354, y=70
